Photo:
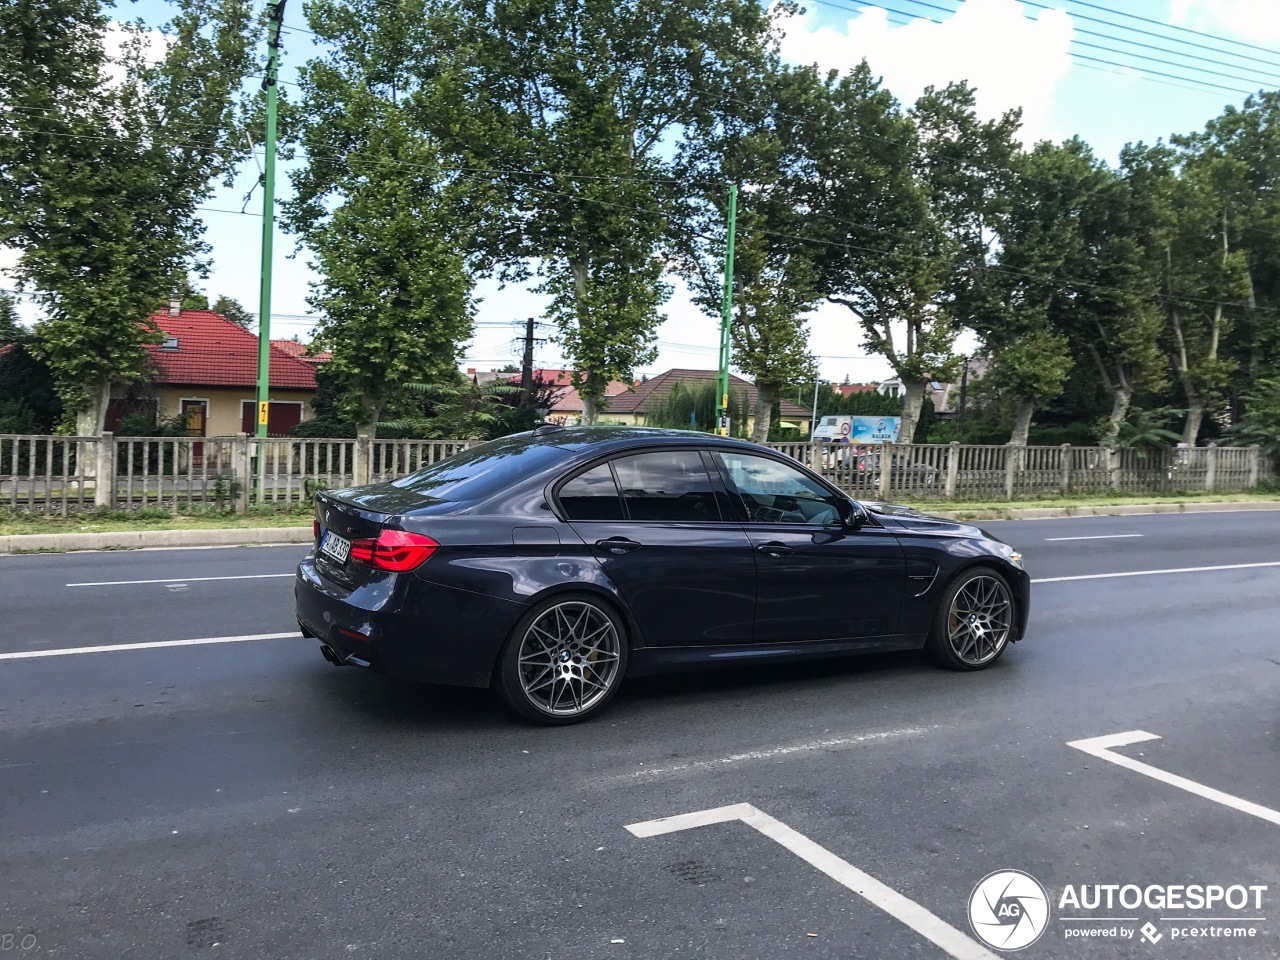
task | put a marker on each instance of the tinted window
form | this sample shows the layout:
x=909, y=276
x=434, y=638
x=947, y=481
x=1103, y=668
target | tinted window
x=592, y=496
x=774, y=492
x=483, y=470
x=667, y=485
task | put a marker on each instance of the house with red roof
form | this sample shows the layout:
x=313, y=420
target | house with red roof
x=205, y=369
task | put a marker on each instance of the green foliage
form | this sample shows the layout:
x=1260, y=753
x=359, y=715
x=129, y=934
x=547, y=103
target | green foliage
x=235, y=311
x=460, y=410
x=386, y=225
x=1261, y=421
x=102, y=179
x=692, y=406
x=1148, y=431
x=28, y=401
x=600, y=95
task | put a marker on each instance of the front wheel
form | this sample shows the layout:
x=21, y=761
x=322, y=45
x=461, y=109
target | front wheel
x=974, y=621
x=564, y=660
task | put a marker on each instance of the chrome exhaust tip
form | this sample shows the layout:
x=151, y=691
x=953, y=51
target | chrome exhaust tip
x=326, y=651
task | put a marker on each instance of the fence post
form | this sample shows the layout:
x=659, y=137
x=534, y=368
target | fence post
x=1211, y=468
x=1065, y=465
x=815, y=456
x=1113, y=467
x=242, y=471
x=953, y=469
x=1255, y=455
x=886, y=469
x=104, y=483
x=1010, y=463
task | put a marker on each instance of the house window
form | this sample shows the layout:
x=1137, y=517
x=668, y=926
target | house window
x=170, y=343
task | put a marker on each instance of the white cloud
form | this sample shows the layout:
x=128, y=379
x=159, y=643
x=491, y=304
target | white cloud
x=1010, y=60
x=1254, y=20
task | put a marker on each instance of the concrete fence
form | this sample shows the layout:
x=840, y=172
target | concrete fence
x=60, y=475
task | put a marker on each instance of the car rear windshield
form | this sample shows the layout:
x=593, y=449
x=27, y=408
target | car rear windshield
x=482, y=471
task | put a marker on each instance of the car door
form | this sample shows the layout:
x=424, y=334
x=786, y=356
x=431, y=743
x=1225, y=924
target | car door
x=655, y=522
x=818, y=578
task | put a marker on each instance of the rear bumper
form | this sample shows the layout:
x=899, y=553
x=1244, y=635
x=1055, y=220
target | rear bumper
x=413, y=630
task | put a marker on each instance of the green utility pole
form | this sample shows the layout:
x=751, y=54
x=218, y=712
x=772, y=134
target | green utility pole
x=275, y=17
x=726, y=316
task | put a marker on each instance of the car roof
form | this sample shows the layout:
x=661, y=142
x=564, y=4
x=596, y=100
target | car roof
x=603, y=439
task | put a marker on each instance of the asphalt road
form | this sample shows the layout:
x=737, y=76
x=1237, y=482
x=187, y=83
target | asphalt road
x=247, y=800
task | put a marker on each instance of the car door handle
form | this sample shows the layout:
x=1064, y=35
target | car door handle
x=775, y=549
x=618, y=545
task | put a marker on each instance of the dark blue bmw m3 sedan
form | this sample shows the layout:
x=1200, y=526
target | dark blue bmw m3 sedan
x=553, y=564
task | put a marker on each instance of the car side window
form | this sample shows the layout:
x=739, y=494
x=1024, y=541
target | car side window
x=773, y=492
x=667, y=485
x=592, y=496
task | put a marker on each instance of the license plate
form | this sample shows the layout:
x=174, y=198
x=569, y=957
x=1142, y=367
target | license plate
x=339, y=548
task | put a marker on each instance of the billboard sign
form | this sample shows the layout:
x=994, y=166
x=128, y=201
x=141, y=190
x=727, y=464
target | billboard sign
x=867, y=430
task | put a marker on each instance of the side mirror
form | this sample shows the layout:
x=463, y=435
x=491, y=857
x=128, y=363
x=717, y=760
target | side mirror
x=856, y=518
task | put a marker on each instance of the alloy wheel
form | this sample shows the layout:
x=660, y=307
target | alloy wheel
x=569, y=658
x=980, y=619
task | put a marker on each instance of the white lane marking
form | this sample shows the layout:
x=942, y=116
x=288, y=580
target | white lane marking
x=1104, y=536
x=1100, y=747
x=115, y=647
x=954, y=943
x=1156, y=573
x=124, y=583
x=770, y=753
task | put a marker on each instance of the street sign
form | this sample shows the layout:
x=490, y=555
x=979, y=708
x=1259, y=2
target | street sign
x=724, y=426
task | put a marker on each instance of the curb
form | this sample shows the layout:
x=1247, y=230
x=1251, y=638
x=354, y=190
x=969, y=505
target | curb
x=262, y=536
x=143, y=539
x=1115, y=510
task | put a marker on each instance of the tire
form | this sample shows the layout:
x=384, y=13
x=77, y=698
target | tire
x=974, y=621
x=564, y=660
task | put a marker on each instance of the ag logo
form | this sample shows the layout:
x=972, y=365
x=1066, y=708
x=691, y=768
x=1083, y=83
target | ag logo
x=1009, y=910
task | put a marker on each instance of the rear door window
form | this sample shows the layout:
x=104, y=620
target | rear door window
x=671, y=486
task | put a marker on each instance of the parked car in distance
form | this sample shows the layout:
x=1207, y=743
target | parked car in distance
x=903, y=472
x=551, y=565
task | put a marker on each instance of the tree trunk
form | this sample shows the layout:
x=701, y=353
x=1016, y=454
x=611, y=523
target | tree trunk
x=912, y=401
x=1122, y=396
x=1195, y=416
x=592, y=392
x=1022, y=422
x=366, y=430
x=91, y=421
x=766, y=397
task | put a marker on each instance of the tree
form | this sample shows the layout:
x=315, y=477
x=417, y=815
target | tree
x=1014, y=301
x=100, y=181
x=234, y=310
x=882, y=251
x=10, y=329
x=387, y=227
x=1238, y=156
x=574, y=105
x=775, y=281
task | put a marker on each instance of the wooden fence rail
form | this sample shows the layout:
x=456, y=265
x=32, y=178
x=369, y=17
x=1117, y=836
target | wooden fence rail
x=46, y=475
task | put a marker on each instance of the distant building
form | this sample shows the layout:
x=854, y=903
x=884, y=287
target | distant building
x=206, y=370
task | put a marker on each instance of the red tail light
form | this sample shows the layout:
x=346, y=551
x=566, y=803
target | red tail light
x=394, y=550
x=315, y=528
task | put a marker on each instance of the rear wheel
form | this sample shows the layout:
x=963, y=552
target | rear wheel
x=563, y=661
x=974, y=621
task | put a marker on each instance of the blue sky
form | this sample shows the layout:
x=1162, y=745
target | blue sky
x=1015, y=52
